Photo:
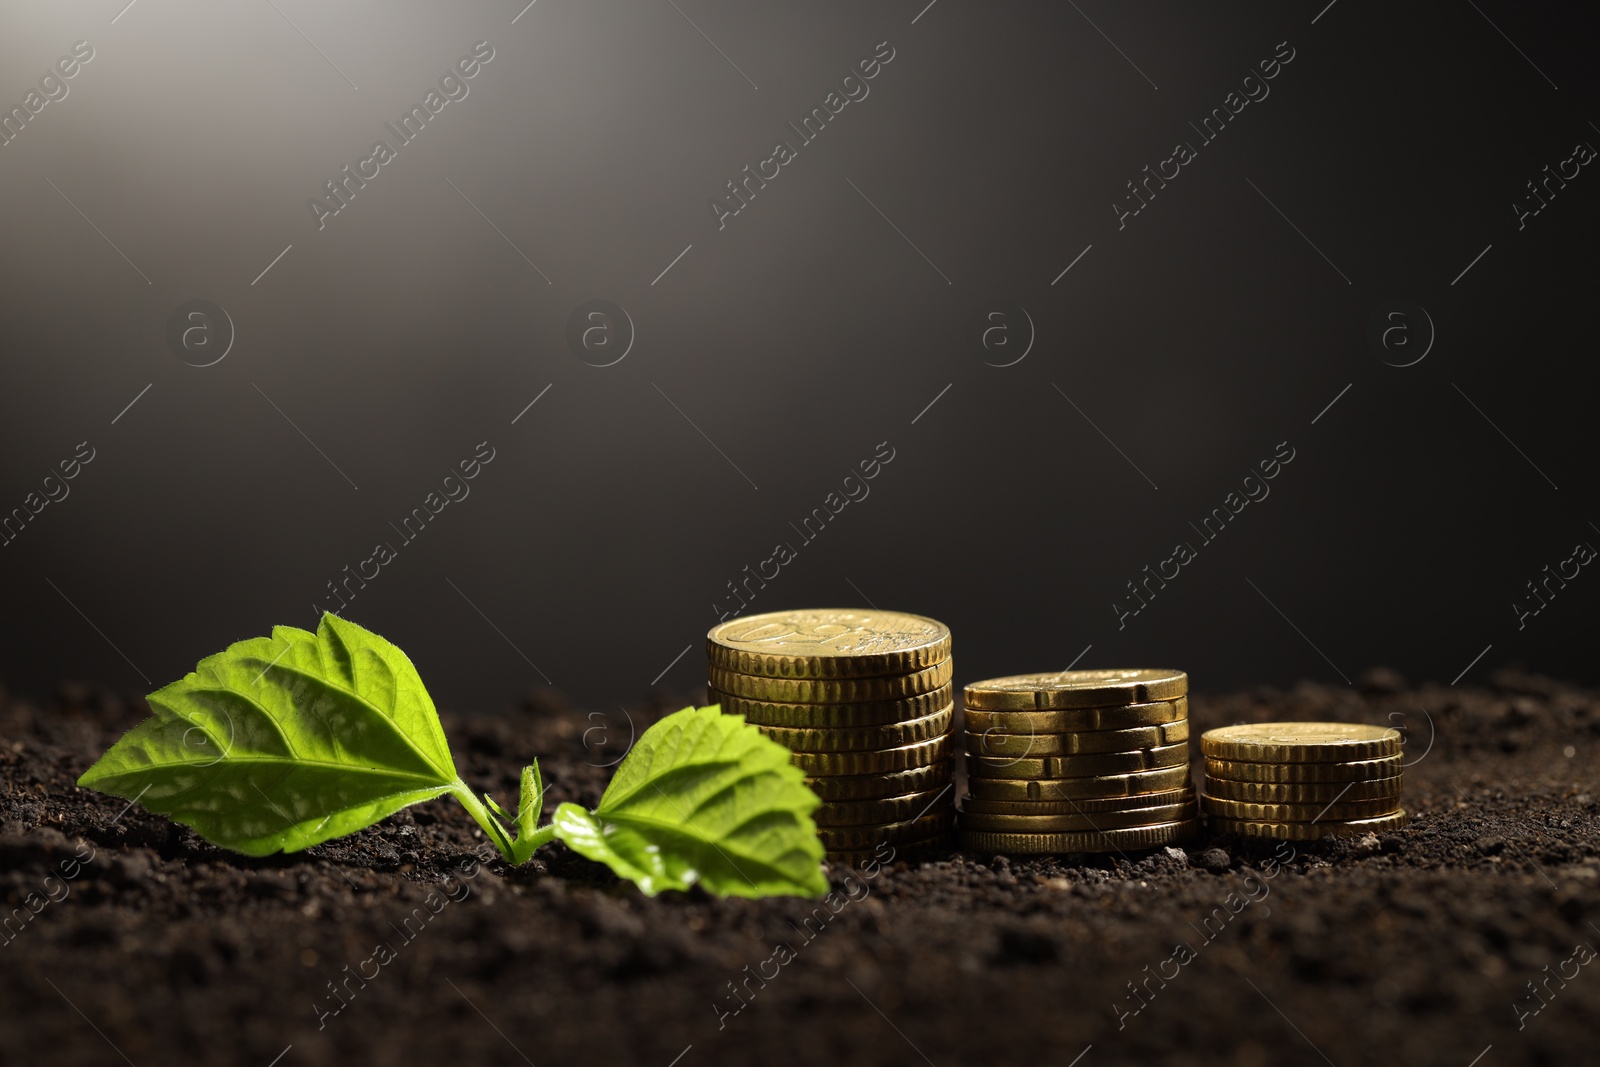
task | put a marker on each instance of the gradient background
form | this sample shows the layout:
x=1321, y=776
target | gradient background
x=780, y=350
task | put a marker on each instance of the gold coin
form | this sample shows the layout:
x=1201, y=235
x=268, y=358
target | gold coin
x=831, y=690
x=1107, y=841
x=860, y=738
x=1086, y=806
x=1071, y=720
x=883, y=809
x=1139, y=783
x=1076, y=689
x=855, y=837
x=878, y=762
x=1354, y=771
x=994, y=743
x=828, y=643
x=899, y=850
x=1054, y=824
x=1308, y=831
x=1092, y=766
x=1339, y=811
x=871, y=786
x=832, y=716
x=1301, y=742
x=1304, y=792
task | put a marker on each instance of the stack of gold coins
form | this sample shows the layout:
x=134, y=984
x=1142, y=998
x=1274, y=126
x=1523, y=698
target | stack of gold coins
x=1298, y=781
x=864, y=701
x=1078, y=761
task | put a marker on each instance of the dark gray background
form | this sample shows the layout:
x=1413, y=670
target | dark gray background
x=800, y=336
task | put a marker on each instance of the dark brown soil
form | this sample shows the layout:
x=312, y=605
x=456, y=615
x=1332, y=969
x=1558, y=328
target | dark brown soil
x=1415, y=947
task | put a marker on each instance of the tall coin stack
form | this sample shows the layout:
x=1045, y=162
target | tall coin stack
x=864, y=701
x=1298, y=781
x=1078, y=761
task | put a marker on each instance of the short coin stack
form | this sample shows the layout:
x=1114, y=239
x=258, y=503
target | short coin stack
x=1078, y=761
x=864, y=701
x=1298, y=781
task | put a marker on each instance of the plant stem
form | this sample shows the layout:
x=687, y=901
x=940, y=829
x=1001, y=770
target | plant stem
x=485, y=819
x=528, y=843
x=515, y=852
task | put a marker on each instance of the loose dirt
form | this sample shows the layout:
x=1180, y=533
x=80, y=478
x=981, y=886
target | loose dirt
x=128, y=938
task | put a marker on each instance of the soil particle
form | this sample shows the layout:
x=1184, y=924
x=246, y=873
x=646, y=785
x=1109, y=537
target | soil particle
x=127, y=937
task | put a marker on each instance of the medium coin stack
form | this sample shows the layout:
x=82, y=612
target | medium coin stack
x=1078, y=761
x=863, y=700
x=1298, y=781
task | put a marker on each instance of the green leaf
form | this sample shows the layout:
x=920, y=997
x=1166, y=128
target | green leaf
x=286, y=741
x=704, y=798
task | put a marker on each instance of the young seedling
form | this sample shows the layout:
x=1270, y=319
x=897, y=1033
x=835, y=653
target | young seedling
x=280, y=743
